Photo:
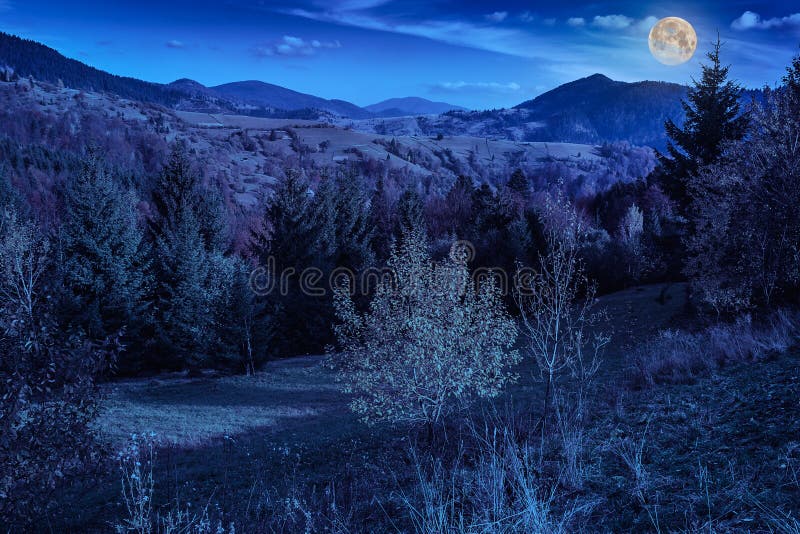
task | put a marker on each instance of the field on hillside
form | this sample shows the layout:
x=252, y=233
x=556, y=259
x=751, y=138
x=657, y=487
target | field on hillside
x=245, y=156
x=723, y=449
x=188, y=412
x=327, y=144
x=228, y=439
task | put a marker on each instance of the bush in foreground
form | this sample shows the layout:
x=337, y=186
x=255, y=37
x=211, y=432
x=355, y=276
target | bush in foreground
x=430, y=340
x=47, y=393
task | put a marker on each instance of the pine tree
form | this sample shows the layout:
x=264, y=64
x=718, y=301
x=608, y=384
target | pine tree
x=743, y=252
x=9, y=197
x=192, y=275
x=353, y=232
x=410, y=214
x=791, y=82
x=247, y=323
x=519, y=183
x=382, y=221
x=325, y=208
x=459, y=207
x=292, y=235
x=289, y=245
x=185, y=296
x=213, y=219
x=105, y=264
x=175, y=191
x=713, y=117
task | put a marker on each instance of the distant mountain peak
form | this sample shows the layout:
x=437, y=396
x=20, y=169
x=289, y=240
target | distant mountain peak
x=182, y=81
x=260, y=93
x=598, y=77
x=411, y=105
x=187, y=83
x=597, y=108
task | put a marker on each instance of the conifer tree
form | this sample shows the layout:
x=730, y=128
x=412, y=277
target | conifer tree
x=9, y=198
x=185, y=295
x=213, y=219
x=105, y=266
x=519, y=182
x=176, y=190
x=190, y=269
x=350, y=229
x=246, y=322
x=289, y=245
x=292, y=236
x=325, y=208
x=713, y=117
x=410, y=214
x=791, y=82
x=743, y=253
x=459, y=207
x=381, y=221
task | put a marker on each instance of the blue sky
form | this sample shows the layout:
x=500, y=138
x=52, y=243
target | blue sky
x=475, y=54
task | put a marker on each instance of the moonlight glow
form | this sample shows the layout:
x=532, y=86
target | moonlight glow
x=673, y=41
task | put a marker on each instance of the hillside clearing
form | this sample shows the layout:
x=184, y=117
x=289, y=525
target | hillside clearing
x=292, y=392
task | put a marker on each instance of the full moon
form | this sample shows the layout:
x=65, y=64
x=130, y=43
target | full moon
x=673, y=41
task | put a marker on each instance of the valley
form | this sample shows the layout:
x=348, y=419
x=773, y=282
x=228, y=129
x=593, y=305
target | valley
x=249, y=305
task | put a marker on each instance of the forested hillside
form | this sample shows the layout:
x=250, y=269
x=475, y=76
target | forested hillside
x=218, y=315
x=597, y=108
x=27, y=58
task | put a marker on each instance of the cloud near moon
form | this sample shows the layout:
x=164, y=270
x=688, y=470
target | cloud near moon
x=672, y=41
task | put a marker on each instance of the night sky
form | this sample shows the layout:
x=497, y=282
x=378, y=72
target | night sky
x=475, y=54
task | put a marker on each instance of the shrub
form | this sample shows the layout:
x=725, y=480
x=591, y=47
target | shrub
x=136, y=463
x=47, y=393
x=678, y=357
x=430, y=340
x=556, y=305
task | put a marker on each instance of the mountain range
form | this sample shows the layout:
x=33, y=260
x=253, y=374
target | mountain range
x=29, y=58
x=590, y=110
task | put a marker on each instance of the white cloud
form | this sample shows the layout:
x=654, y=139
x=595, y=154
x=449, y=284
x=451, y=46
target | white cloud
x=501, y=40
x=467, y=87
x=612, y=22
x=174, y=43
x=291, y=46
x=750, y=21
x=527, y=16
x=646, y=24
x=497, y=16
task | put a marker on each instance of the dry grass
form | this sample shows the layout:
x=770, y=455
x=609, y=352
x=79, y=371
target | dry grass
x=190, y=426
x=679, y=357
x=492, y=489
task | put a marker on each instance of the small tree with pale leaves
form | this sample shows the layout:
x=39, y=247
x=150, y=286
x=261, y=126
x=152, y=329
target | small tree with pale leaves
x=631, y=231
x=556, y=305
x=430, y=341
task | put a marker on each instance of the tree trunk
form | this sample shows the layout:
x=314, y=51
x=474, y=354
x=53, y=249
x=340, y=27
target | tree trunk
x=545, y=415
